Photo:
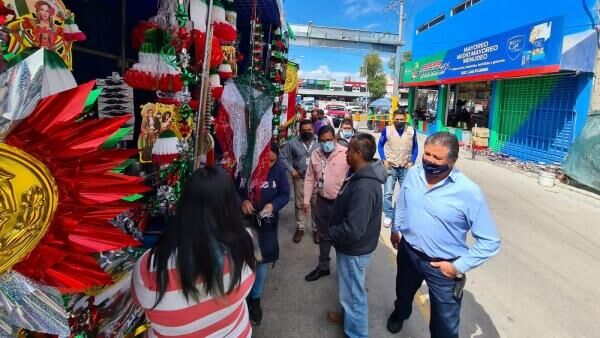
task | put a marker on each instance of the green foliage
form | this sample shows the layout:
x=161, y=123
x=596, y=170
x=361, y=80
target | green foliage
x=372, y=69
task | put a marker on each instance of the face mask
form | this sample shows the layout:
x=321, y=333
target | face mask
x=327, y=147
x=399, y=125
x=347, y=134
x=435, y=169
x=306, y=135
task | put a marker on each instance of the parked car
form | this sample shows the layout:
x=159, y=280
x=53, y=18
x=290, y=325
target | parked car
x=337, y=112
x=308, y=106
x=354, y=107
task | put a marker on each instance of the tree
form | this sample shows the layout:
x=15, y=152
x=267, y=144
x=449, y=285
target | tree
x=372, y=69
x=406, y=57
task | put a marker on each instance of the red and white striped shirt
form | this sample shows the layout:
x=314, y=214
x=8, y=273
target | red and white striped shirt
x=225, y=316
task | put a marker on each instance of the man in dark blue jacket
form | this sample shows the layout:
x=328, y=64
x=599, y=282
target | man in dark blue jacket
x=354, y=231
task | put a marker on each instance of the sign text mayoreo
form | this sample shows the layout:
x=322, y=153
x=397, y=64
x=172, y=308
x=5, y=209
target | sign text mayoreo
x=477, y=52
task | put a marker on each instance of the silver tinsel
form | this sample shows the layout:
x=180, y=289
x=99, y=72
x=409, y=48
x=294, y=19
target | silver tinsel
x=124, y=222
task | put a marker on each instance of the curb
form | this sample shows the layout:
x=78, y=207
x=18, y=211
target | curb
x=558, y=185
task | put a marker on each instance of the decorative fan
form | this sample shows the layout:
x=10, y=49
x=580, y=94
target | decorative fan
x=291, y=78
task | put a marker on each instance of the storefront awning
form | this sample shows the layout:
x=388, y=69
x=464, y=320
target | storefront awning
x=579, y=51
x=531, y=50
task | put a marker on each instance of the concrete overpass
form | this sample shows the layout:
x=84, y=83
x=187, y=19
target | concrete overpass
x=320, y=36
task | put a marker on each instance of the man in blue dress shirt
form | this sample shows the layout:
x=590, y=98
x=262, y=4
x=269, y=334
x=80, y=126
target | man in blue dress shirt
x=437, y=206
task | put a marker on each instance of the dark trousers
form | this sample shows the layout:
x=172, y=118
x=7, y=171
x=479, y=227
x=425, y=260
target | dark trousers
x=413, y=268
x=321, y=214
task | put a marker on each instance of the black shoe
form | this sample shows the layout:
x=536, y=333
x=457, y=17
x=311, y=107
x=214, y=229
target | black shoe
x=316, y=274
x=394, y=323
x=256, y=313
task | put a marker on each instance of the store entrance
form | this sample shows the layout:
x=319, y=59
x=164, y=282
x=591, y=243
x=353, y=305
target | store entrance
x=426, y=104
x=469, y=105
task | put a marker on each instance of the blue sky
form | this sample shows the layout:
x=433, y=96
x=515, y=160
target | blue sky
x=357, y=14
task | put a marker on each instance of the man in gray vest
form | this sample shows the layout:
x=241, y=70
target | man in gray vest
x=295, y=156
x=398, y=149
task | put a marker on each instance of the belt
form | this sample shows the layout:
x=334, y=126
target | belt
x=424, y=256
x=324, y=199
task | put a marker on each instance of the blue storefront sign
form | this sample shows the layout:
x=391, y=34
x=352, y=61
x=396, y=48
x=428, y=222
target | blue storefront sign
x=531, y=49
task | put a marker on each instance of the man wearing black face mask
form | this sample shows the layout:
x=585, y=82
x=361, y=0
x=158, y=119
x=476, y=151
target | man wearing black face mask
x=398, y=149
x=295, y=156
x=437, y=206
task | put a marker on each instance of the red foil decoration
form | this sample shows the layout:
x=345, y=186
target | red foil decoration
x=89, y=194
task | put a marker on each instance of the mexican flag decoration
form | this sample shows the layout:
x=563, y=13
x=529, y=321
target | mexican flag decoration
x=225, y=71
x=291, y=89
x=243, y=128
x=165, y=149
x=223, y=29
x=71, y=30
x=153, y=72
x=56, y=76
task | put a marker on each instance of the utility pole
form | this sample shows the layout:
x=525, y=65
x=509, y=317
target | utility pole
x=395, y=93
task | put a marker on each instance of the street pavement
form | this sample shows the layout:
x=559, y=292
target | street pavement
x=543, y=283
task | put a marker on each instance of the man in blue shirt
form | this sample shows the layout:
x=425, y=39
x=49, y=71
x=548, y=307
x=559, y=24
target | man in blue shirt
x=437, y=206
x=398, y=149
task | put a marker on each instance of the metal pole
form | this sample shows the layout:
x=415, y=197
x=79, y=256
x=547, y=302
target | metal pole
x=395, y=96
x=203, y=89
x=123, y=35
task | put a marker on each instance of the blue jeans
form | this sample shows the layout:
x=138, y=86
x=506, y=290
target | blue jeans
x=413, y=268
x=394, y=175
x=353, y=296
x=259, y=281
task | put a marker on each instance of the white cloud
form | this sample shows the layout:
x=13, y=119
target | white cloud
x=324, y=73
x=357, y=8
x=371, y=26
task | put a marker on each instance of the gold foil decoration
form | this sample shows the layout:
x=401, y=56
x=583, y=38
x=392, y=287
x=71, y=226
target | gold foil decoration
x=230, y=54
x=28, y=200
x=291, y=78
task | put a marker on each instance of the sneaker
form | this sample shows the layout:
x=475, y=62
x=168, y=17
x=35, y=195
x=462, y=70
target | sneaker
x=387, y=222
x=255, y=311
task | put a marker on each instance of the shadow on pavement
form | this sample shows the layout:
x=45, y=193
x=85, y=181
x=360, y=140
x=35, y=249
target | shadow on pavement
x=475, y=321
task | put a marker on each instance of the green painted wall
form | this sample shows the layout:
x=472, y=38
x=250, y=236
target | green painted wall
x=441, y=108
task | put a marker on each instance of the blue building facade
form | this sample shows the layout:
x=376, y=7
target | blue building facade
x=523, y=69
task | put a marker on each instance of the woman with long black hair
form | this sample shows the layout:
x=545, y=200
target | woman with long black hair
x=194, y=282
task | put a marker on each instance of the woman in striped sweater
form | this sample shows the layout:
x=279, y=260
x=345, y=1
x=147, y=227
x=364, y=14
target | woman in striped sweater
x=193, y=283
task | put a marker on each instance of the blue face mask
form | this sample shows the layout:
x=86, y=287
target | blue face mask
x=327, y=147
x=435, y=169
x=347, y=134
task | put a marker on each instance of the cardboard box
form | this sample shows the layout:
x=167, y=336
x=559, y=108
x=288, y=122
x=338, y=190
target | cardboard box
x=480, y=141
x=481, y=132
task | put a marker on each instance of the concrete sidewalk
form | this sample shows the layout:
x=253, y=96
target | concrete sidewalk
x=296, y=308
x=544, y=282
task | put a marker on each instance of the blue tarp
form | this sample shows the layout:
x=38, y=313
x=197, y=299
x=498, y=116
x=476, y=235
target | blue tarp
x=583, y=161
x=382, y=103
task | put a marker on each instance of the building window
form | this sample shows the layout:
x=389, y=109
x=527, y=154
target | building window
x=463, y=5
x=431, y=23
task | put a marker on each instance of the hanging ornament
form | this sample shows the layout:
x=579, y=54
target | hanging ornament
x=225, y=71
x=215, y=84
x=165, y=150
x=198, y=14
x=155, y=70
x=223, y=29
x=72, y=31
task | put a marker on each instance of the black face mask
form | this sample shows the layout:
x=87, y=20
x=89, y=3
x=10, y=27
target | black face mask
x=399, y=125
x=306, y=135
x=435, y=169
